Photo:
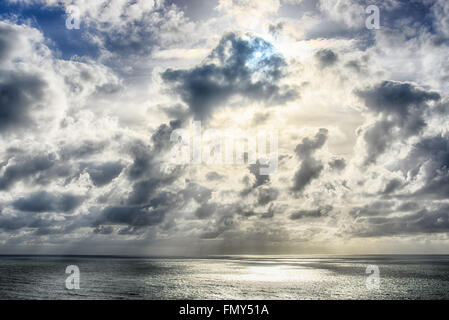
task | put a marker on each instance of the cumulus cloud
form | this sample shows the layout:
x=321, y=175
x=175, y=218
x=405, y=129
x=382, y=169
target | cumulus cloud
x=18, y=96
x=26, y=167
x=361, y=116
x=241, y=65
x=401, y=109
x=326, y=57
x=310, y=168
x=47, y=202
x=429, y=161
x=104, y=173
x=315, y=213
x=422, y=221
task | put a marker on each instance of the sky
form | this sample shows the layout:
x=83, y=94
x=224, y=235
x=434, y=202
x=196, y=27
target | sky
x=92, y=93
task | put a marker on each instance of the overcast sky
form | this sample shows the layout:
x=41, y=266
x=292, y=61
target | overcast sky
x=361, y=118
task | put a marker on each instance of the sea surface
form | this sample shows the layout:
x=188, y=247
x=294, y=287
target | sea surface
x=325, y=277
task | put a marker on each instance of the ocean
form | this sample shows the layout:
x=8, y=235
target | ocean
x=234, y=277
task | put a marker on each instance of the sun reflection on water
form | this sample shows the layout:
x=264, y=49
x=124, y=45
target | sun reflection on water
x=274, y=273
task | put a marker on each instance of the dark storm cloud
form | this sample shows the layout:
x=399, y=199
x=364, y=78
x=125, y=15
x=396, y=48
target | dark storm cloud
x=407, y=206
x=161, y=137
x=423, y=221
x=398, y=105
x=392, y=185
x=310, y=167
x=195, y=191
x=142, y=191
x=150, y=182
x=43, y=201
x=145, y=156
x=103, y=173
x=396, y=98
x=131, y=216
x=377, y=138
x=316, y=213
x=104, y=230
x=337, y=164
x=24, y=168
x=267, y=195
x=326, y=57
x=17, y=222
x=147, y=202
x=43, y=223
x=238, y=66
x=308, y=146
x=142, y=158
x=206, y=210
x=430, y=156
x=84, y=149
x=18, y=95
x=157, y=206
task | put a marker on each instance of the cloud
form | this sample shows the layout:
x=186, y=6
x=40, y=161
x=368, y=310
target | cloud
x=82, y=149
x=214, y=176
x=148, y=166
x=43, y=201
x=326, y=57
x=316, y=213
x=131, y=216
x=400, y=99
x=377, y=208
x=401, y=110
x=275, y=29
x=261, y=179
x=222, y=224
x=104, y=173
x=241, y=65
x=18, y=96
x=428, y=160
x=337, y=164
x=440, y=10
x=267, y=195
x=28, y=167
x=421, y=222
x=308, y=171
x=308, y=146
x=6, y=33
x=392, y=186
x=310, y=168
x=195, y=191
x=206, y=210
x=12, y=223
x=104, y=230
x=84, y=163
